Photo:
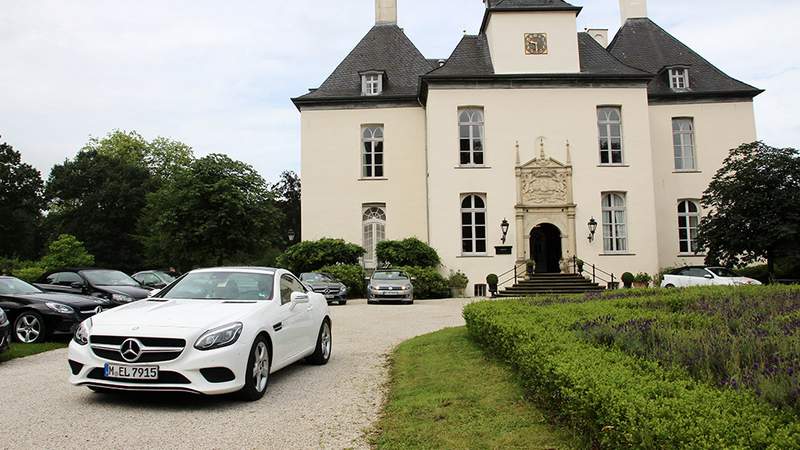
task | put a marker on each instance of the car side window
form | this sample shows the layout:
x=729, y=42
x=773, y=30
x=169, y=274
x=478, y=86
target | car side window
x=697, y=272
x=148, y=279
x=51, y=279
x=297, y=286
x=67, y=278
x=286, y=289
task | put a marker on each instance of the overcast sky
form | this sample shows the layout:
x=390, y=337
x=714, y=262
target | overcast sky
x=218, y=75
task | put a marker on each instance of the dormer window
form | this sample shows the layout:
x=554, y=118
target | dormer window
x=371, y=83
x=679, y=78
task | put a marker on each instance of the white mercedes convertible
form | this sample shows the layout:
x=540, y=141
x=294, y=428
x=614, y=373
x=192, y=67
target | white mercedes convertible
x=213, y=331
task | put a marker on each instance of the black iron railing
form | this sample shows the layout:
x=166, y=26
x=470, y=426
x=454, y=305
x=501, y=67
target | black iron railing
x=512, y=275
x=595, y=272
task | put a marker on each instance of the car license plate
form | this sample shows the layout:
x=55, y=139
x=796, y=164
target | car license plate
x=131, y=372
x=329, y=296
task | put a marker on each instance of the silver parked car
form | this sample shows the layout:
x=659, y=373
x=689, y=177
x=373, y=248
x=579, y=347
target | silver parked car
x=330, y=287
x=390, y=285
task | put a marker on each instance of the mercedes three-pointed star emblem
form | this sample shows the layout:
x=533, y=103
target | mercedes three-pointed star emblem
x=131, y=350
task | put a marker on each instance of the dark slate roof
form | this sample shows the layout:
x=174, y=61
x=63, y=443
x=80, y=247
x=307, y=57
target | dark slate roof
x=516, y=5
x=385, y=48
x=472, y=58
x=643, y=44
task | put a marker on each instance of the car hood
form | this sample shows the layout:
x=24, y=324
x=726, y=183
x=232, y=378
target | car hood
x=77, y=301
x=192, y=314
x=132, y=291
x=322, y=284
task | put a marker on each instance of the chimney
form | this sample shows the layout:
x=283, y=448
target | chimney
x=599, y=34
x=632, y=9
x=385, y=12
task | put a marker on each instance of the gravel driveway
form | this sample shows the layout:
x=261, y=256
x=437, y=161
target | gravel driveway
x=305, y=406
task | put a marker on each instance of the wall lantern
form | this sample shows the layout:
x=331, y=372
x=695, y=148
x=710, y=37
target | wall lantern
x=291, y=235
x=592, y=229
x=504, y=228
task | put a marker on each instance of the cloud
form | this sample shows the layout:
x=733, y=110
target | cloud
x=219, y=75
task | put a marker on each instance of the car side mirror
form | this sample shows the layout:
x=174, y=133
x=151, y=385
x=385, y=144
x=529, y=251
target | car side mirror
x=299, y=297
x=413, y=279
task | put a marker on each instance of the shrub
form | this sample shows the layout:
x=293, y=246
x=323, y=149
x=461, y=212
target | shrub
x=568, y=352
x=458, y=280
x=409, y=252
x=66, y=251
x=351, y=276
x=29, y=274
x=309, y=256
x=642, y=277
x=628, y=279
x=428, y=282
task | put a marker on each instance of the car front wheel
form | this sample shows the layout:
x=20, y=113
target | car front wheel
x=257, y=374
x=29, y=328
x=322, y=354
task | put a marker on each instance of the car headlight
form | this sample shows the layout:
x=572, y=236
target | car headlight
x=59, y=308
x=342, y=288
x=219, y=337
x=82, y=332
x=121, y=298
x=3, y=317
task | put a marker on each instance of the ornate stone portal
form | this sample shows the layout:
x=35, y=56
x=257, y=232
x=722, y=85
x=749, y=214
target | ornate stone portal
x=544, y=196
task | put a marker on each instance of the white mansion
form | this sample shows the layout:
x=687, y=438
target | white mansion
x=529, y=122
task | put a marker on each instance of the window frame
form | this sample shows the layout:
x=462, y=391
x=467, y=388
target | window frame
x=678, y=76
x=473, y=126
x=615, y=226
x=370, y=80
x=607, y=124
x=687, y=215
x=679, y=141
x=473, y=226
x=377, y=146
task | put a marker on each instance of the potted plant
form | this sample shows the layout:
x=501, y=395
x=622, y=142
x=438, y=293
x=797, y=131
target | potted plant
x=642, y=280
x=628, y=279
x=492, y=281
x=579, y=262
x=530, y=267
x=458, y=283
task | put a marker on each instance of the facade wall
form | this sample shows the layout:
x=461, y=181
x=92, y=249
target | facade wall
x=524, y=115
x=333, y=187
x=506, y=35
x=718, y=127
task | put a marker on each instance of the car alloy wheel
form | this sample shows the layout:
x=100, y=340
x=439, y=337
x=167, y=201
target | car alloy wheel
x=326, y=340
x=260, y=366
x=28, y=328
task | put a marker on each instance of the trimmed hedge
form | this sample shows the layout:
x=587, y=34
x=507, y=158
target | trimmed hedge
x=619, y=400
x=408, y=252
x=309, y=256
x=351, y=276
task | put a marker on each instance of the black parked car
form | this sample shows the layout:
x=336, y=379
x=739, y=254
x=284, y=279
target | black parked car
x=322, y=283
x=5, y=331
x=108, y=284
x=36, y=315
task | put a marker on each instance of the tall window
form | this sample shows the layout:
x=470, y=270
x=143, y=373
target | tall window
x=683, y=142
x=688, y=223
x=609, y=124
x=372, y=158
x=374, y=231
x=615, y=233
x=473, y=225
x=371, y=83
x=679, y=79
x=470, y=129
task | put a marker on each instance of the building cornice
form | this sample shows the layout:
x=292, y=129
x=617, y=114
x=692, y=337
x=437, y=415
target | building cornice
x=486, y=15
x=703, y=97
x=378, y=101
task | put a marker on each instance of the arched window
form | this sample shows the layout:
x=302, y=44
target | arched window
x=372, y=161
x=615, y=233
x=688, y=223
x=473, y=225
x=470, y=129
x=374, y=231
x=683, y=142
x=609, y=125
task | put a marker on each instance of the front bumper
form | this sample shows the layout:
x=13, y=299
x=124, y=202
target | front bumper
x=182, y=374
x=390, y=296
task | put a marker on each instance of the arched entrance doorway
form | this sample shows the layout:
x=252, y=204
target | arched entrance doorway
x=546, y=248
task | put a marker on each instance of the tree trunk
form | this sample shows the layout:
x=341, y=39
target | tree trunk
x=771, y=266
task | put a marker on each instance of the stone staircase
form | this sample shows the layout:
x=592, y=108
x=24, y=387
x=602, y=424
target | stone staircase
x=551, y=283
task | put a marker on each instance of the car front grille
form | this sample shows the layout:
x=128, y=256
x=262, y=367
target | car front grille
x=153, y=349
x=390, y=288
x=328, y=291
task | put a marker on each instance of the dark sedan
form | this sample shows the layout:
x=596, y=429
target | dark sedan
x=36, y=315
x=5, y=331
x=112, y=285
x=322, y=283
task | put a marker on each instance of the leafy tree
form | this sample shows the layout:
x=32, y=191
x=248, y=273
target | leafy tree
x=162, y=157
x=408, y=252
x=287, y=194
x=755, y=207
x=21, y=205
x=66, y=251
x=216, y=211
x=312, y=255
x=99, y=198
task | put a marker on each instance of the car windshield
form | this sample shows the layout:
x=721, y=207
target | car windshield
x=109, y=278
x=15, y=286
x=314, y=277
x=165, y=277
x=389, y=276
x=222, y=286
x=723, y=272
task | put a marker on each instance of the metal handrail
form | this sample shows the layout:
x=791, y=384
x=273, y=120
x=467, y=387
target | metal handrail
x=612, y=282
x=515, y=277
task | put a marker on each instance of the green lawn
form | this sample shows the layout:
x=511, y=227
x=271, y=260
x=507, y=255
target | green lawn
x=23, y=350
x=445, y=393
